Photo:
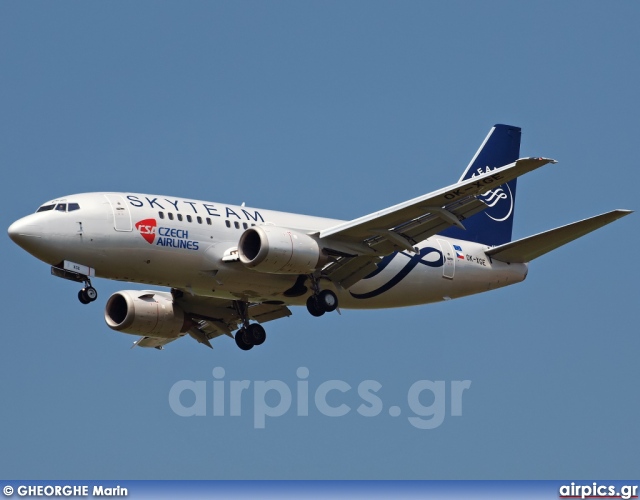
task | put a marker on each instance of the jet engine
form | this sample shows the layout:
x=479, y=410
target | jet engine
x=277, y=250
x=145, y=312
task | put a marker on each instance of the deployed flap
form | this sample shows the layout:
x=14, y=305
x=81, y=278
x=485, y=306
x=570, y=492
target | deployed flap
x=527, y=249
x=268, y=312
x=157, y=343
x=464, y=192
x=213, y=317
x=200, y=337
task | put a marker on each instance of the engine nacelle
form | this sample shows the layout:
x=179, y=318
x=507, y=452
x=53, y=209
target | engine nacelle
x=145, y=312
x=277, y=250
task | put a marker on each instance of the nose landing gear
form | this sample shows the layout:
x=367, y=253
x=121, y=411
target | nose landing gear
x=87, y=294
x=80, y=274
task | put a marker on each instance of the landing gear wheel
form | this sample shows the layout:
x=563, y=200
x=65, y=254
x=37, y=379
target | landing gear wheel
x=82, y=298
x=87, y=294
x=314, y=307
x=242, y=340
x=327, y=300
x=256, y=334
x=90, y=293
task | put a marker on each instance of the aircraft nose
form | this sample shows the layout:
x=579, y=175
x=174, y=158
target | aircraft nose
x=14, y=231
x=34, y=235
x=22, y=232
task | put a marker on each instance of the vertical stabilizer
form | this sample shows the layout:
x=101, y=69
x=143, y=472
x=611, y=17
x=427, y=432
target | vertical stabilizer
x=495, y=224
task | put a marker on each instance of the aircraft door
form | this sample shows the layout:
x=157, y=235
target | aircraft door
x=449, y=267
x=121, y=212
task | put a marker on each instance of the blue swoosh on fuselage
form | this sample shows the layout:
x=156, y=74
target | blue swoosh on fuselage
x=413, y=262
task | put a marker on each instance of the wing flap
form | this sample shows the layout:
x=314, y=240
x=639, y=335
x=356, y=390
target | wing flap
x=156, y=342
x=527, y=249
x=405, y=236
x=438, y=219
x=268, y=312
x=215, y=317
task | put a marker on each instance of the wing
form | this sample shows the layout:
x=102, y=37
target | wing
x=210, y=317
x=359, y=244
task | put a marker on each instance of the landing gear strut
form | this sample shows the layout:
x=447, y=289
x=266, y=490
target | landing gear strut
x=251, y=333
x=88, y=293
x=70, y=271
x=321, y=301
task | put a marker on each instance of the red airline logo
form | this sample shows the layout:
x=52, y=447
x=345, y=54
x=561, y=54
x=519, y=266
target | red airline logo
x=147, y=228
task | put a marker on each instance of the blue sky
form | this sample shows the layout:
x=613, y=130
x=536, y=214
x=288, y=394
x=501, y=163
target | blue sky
x=333, y=109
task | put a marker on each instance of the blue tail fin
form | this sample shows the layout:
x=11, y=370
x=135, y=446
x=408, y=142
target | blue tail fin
x=494, y=225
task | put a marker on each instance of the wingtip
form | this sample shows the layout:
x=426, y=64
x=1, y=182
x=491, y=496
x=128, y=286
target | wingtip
x=548, y=160
x=537, y=158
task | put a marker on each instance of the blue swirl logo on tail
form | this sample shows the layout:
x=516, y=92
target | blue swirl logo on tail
x=414, y=260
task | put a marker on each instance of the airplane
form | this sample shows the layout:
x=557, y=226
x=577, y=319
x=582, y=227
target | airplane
x=232, y=268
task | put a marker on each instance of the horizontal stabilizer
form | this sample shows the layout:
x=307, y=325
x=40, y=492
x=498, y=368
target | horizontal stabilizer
x=527, y=249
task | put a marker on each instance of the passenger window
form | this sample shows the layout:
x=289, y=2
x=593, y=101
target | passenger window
x=161, y=215
x=189, y=218
x=227, y=223
x=199, y=220
x=170, y=215
x=208, y=221
x=237, y=224
x=244, y=225
x=45, y=208
x=61, y=207
x=179, y=217
x=73, y=206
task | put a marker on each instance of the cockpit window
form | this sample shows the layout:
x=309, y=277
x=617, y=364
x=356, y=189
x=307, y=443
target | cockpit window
x=60, y=207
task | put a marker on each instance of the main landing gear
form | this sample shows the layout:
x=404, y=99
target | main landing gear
x=250, y=334
x=321, y=301
x=326, y=301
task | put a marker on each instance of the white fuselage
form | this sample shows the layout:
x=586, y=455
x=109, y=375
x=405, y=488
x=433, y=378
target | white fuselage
x=188, y=244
